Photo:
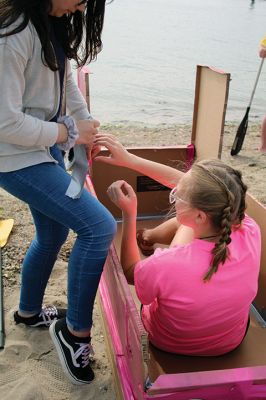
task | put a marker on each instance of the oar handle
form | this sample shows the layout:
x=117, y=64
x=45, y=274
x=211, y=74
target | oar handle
x=2, y=340
x=256, y=82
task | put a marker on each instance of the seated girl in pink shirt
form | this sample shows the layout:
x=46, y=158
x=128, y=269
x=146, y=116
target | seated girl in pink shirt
x=196, y=294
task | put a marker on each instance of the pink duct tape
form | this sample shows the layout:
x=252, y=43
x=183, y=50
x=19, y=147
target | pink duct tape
x=190, y=155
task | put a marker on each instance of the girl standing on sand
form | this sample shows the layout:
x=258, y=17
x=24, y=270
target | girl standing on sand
x=37, y=40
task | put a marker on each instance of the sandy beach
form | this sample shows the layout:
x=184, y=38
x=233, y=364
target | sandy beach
x=29, y=367
x=250, y=161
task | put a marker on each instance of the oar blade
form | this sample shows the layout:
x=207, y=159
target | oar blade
x=240, y=135
x=2, y=328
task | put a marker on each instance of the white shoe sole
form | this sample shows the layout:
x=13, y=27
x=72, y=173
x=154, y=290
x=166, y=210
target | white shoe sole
x=62, y=359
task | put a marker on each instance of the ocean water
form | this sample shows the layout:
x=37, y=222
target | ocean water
x=146, y=70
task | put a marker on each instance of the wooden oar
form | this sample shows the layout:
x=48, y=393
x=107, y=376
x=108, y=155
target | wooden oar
x=242, y=129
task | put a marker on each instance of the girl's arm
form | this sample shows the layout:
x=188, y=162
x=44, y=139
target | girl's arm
x=75, y=102
x=78, y=109
x=167, y=176
x=124, y=197
x=16, y=126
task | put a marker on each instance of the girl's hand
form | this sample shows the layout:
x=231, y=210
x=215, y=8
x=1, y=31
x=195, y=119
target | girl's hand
x=87, y=131
x=118, y=154
x=93, y=151
x=124, y=197
x=262, y=52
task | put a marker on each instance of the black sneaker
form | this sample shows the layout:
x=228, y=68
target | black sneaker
x=43, y=319
x=74, y=353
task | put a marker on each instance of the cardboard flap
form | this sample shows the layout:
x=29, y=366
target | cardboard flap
x=258, y=212
x=211, y=94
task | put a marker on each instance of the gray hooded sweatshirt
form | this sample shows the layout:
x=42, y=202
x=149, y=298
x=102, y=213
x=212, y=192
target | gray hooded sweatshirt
x=30, y=95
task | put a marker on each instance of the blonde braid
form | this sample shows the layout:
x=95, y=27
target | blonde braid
x=220, y=251
x=218, y=190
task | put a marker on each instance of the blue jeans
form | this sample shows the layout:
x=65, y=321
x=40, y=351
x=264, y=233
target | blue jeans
x=43, y=188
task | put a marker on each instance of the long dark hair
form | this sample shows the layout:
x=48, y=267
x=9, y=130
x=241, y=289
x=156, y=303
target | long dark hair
x=79, y=33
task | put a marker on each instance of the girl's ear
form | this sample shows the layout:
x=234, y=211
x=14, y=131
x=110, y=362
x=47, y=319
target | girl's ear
x=201, y=217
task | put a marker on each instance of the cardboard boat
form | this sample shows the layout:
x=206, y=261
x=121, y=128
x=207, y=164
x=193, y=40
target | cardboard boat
x=140, y=371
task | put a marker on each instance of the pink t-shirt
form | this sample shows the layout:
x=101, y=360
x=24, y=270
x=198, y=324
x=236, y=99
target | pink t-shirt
x=185, y=315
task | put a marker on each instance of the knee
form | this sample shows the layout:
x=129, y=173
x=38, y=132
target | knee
x=107, y=226
x=112, y=225
x=101, y=230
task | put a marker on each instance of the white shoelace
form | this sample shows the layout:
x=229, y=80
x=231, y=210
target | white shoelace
x=48, y=314
x=86, y=352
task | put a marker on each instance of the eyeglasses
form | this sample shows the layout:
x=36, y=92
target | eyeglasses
x=174, y=198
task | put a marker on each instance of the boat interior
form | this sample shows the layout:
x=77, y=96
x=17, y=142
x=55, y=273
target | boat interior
x=152, y=208
x=211, y=94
